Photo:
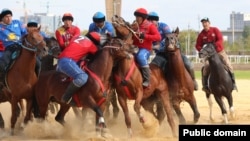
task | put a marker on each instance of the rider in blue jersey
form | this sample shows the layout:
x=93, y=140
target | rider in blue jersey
x=11, y=32
x=100, y=25
x=164, y=29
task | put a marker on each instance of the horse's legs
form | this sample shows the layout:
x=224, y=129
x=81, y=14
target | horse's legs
x=222, y=107
x=112, y=99
x=176, y=106
x=14, y=114
x=124, y=106
x=77, y=112
x=61, y=113
x=210, y=103
x=21, y=105
x=192, y=102
x=137, y=106
x=230, y=103
x=1, y=121
x=167, y=106
x=114, y=103
x=28, y=110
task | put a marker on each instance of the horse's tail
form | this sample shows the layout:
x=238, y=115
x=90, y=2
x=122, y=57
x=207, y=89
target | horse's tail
x=35, y=106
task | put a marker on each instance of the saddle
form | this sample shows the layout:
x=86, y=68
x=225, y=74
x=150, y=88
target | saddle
x=7, y=66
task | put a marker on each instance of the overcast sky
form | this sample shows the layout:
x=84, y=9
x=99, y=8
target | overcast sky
x=181, y=13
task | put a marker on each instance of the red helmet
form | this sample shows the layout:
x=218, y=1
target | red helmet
x=94, y=37
x=67, y=16
x=141, y=12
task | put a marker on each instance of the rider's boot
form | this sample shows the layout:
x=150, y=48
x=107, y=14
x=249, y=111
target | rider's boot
x=204, y=82
x=190, y=70
x=67, y=96
x=146, y=76
x=233, y=80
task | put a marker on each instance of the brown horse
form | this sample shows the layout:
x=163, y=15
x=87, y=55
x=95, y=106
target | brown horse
x=129, y=80
x=52, y=84
x=21, y=77
x=179, y=81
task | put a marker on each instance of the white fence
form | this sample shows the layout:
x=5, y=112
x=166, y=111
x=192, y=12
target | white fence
x=234, y=59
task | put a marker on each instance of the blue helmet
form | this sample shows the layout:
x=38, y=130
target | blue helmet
x=98, y=17
x=153, y=16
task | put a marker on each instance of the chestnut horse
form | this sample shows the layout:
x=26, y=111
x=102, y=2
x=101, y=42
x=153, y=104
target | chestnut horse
x=21, y=77
x=129, y=80
x=52, y=84
x=179, y=81
x=219, y=80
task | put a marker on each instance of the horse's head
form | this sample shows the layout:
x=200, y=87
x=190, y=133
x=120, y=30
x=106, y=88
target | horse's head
x=53, y=46
x=34, y=40
x=207, y=50
x=171, y=41
x=122, y=29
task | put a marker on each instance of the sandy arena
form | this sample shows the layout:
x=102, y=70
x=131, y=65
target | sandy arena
x=84, y=130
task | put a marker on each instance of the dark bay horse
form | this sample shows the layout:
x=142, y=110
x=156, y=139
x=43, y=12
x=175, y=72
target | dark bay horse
x=179, y=81
x=129, y=80
x=52, y=84
x=219, y=80
x=21, y=77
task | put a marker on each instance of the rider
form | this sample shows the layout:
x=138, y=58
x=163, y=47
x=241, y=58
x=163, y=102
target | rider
x=212, y=34
x=100, y=25
x=145, y=35
x=67, y=63
x=67, y=31
x=10, y=35
x=164, y=29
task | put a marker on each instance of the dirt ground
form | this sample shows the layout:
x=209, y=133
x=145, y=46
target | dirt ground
x=84, y=130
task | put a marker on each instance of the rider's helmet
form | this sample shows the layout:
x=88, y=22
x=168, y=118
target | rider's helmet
x=141, y=12
x=95, y=37
x=98, y=17
x=153, y=16
x=67, y=16
x=32, y=24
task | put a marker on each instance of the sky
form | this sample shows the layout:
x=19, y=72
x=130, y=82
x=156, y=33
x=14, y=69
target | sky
x=185, y=14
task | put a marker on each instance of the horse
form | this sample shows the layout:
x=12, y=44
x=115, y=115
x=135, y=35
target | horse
x=129, y=80
x=179, y=81
x=219, y=80
x=52, y=84
x=20, y=79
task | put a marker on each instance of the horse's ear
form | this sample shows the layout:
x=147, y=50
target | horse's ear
x=39, y=28
x=177, y=30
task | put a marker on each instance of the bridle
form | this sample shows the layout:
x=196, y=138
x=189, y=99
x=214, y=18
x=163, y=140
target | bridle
x=123, y=23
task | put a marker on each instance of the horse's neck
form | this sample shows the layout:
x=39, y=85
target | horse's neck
x=215, y=62
x=102, y=65
x=28, y=58
x=176, y=63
